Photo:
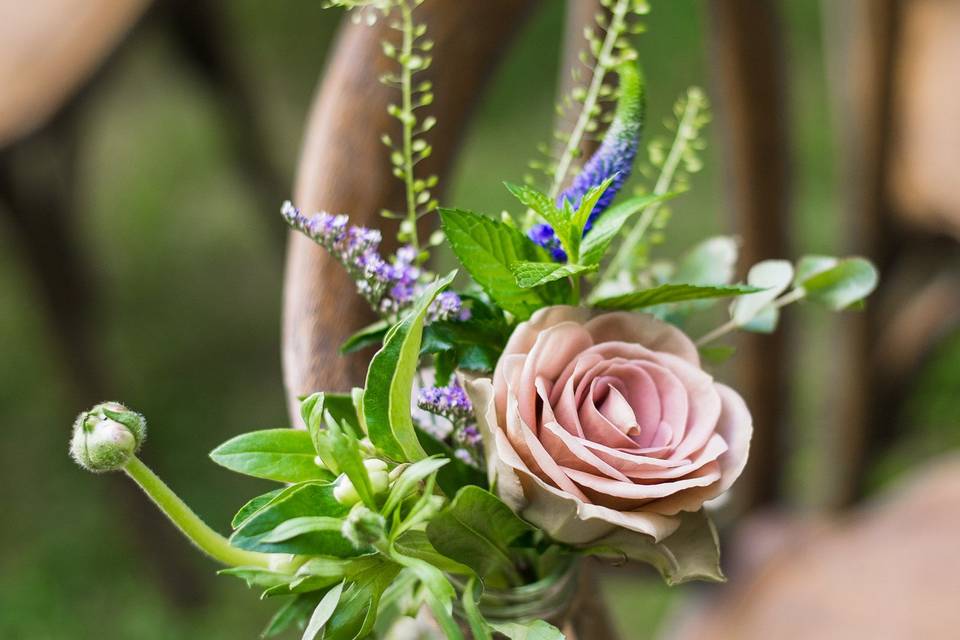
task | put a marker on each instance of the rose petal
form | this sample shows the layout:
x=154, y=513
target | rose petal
x=645, y=329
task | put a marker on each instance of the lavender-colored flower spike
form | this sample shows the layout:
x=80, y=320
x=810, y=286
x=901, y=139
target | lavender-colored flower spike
x=614, y=159
x=450, y=402
x=615, y=156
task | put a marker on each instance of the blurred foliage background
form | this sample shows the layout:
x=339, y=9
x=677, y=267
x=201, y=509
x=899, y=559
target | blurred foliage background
x=188, y=269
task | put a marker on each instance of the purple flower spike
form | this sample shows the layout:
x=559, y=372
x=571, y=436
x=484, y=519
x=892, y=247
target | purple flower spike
x=450, y=402
x=543, y=235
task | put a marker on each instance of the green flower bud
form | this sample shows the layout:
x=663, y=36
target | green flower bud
x=345, y=493
x=106, y=437
x=363, y=527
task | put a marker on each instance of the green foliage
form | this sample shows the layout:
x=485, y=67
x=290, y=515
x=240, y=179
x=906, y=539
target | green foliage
x=487, y=248
x=324, y=611
x=367, y=337
x=477, y=529
x=608, y=226
x=386, y=403
x=773, y=277
x=692, y=552
x=838, y=284
x=671, y=293
x=283, y=455
x=457, y=473
x=537, y=274
x=530, y=630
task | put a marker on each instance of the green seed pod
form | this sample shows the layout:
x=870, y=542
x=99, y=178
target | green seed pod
x=106, y=437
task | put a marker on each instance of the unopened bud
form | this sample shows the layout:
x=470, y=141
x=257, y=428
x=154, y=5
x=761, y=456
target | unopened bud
x=345, y=493
x=363, y=527
x=106, y=437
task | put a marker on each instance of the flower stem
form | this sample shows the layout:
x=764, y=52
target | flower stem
x=604, y=63
x=406, y=90
x=190, y=524
x=685, y=133
x=731, y=325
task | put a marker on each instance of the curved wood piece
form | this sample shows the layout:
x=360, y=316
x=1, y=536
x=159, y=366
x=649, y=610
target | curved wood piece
x=344, y=168
x=750, y=75
x=48, y=48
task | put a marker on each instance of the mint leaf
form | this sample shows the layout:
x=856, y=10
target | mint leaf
x=541, y=203
x=671, y=293
x=386, y=402
x=283, y=455
x=588, y=202
x=608, y=226
x=536, y=274
x=848, y=282
x=487, y=248
x=476, y=529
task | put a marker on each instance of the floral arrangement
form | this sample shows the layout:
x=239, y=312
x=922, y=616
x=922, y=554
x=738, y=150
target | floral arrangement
x=552, y=407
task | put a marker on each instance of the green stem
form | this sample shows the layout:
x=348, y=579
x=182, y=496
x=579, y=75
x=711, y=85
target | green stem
x=190, y=524
x=731, y=325
x=604, y=62
x=406, y=89
x=685, y=133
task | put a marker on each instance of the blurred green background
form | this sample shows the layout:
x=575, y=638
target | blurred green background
x=188, y=270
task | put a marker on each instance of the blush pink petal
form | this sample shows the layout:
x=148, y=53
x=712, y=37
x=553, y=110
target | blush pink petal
x=526, y=333
x=641, y=328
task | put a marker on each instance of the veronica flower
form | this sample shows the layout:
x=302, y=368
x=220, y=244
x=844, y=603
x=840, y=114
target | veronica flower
x=614, y=158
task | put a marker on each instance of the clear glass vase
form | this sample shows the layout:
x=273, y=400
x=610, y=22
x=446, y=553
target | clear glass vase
x=549, y=598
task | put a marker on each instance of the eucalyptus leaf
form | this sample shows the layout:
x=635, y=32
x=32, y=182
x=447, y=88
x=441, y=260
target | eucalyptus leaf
x=608, y=226
x=809, y=266
x=532, y=630
x=476, y=529
x=773, y=276
x=283, y=455
x=847, y=283
x=389, y=388
x=487, y=248
x=535, y=274
x=765, y=321
x=711, y=262
x=666, y=293
x=692, y=552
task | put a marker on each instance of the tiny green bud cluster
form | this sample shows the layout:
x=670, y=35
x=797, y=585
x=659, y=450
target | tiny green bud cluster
x=346, y=494
x=363, y=527
x=106, y=437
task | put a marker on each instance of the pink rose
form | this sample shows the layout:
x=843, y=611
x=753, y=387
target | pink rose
x=594, y=423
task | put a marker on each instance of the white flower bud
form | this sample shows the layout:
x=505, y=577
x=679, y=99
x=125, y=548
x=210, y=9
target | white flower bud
x=345, y=493
x=363, y=527
x=106, y=437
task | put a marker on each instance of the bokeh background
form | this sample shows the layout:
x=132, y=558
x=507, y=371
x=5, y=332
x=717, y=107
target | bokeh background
x=153, y=201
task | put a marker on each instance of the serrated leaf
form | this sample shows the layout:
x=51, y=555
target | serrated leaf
x=773, y=276
x=476, y=529
x=692, y=552
x=666, y=293
x=283, y=455
x=389, y=388
x=596, y=242
x=367, y=337
x=845, y=284
x=532, y=630
x=588, y=202
x=536, y=274
x=559, y=219
x=487, y=248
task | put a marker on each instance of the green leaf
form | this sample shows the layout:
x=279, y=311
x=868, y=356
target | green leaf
x=711, y=262
x=692, y=552
x=355, y=616
x=765, y=321
x=323, y=612
x=306, y=499
x=809, y=266
x=476, y=529
x=389, y=388
x=587, y=204
x=438, y=592
x=535, y=274
x=415, y=544
x=845, y=284
x=296, y=611
x=408, y=481
x=671, y=293
x=298, y=526
x=253, y=506
x=257, y=577
x=533, y=630
x=560, y=220
x=283, y=455
x=487, y=248
x=366, y=337
x=608, y=226
x=773, y=276
x=478, y=626
x=718, y=354
x=456, y=475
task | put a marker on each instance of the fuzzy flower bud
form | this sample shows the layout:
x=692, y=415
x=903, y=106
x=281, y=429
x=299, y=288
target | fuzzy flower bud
x=363, y=527
x=106, y=437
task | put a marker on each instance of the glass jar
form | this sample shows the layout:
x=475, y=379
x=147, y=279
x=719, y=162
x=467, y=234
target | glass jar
x=549, y=598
